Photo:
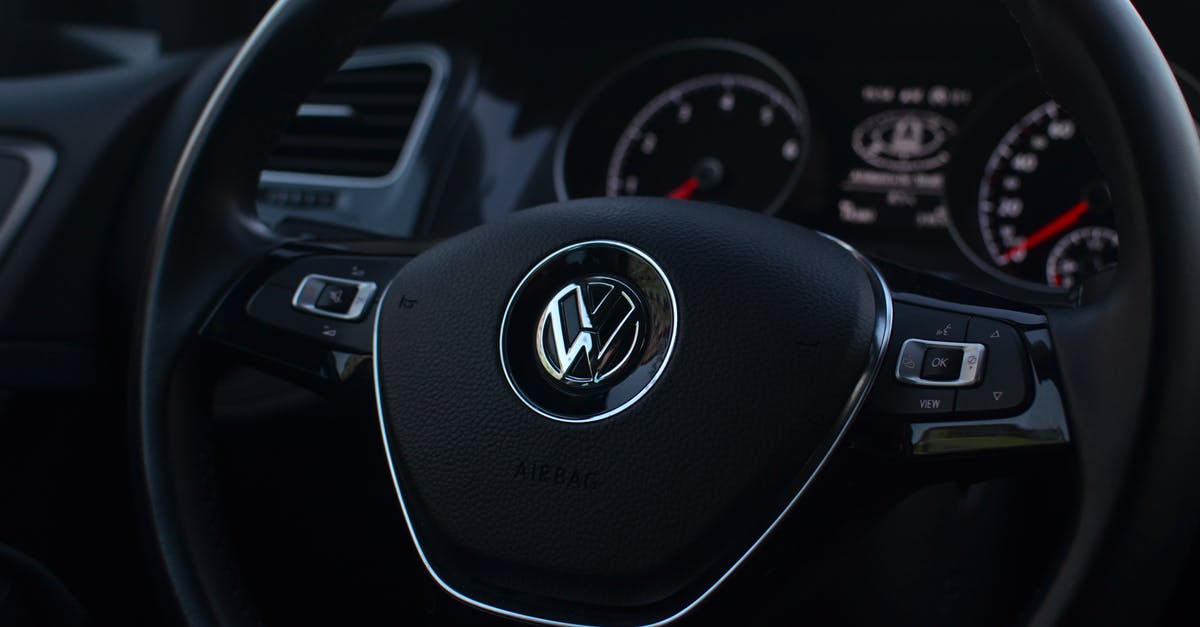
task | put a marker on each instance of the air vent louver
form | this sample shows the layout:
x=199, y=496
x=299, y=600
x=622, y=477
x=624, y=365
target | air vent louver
x=355, y=124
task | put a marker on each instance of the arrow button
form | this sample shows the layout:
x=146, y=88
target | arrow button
x=1003, y=390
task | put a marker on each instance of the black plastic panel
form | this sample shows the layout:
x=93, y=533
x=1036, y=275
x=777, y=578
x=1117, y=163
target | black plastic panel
x=12, y=175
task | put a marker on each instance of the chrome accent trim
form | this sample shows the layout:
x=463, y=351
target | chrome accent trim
x=364, y=291
x=40, y=159
x=310, y=110
x=882, y=334
x=382, y=56
x=666, y=357
x=969, y=373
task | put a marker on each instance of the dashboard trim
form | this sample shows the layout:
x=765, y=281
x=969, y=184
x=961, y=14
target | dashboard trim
x=41, y=160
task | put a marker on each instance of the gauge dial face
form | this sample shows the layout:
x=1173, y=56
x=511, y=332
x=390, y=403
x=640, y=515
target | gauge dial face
x=1081, y=253
x=728, y=138
x=1039, y=184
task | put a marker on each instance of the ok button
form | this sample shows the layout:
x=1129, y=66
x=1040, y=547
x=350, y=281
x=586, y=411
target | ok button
x=942, y=364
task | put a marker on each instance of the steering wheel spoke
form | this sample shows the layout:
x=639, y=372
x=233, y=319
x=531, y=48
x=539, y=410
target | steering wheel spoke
x=307, y=312
x=965, y=373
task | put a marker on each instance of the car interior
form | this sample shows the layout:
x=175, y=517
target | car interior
x=623, y=314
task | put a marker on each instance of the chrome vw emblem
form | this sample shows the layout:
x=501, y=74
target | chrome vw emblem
x=602, y=319
x=589, y=331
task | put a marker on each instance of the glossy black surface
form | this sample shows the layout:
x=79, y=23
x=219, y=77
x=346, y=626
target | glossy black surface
x=1021, y=365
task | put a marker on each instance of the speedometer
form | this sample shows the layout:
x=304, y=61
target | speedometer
x=1028, y=202
x=1040, y=186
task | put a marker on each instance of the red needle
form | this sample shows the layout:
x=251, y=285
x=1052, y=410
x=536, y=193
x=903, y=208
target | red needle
x=685, y=191
x=1056, y=226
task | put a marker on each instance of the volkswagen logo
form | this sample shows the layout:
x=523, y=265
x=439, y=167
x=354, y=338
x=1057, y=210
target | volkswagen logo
x=602, y=319
x=589, y=331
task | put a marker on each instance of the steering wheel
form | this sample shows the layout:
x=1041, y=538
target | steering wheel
x=597, y=412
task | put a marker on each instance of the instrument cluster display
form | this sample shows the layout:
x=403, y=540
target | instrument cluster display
x=1030, y=204
x=972, y=177
x=900, y=144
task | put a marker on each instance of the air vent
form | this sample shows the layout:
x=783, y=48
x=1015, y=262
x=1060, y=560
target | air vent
x=356, y=123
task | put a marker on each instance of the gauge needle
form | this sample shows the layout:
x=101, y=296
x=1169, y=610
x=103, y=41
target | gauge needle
x=1056, y=226
x=685, y=191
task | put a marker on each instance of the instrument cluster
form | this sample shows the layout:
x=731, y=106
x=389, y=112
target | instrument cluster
x=981, y=164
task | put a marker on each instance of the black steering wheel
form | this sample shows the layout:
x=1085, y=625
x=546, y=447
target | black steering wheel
x=597, y=412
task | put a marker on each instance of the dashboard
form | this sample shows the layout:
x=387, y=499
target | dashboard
x=919, y=134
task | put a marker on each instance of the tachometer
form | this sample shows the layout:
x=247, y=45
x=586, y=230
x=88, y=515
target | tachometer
x=1040, y=184
x=727, y=138
x=707, y=119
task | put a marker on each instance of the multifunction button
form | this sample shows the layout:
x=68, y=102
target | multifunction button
x=940, y=364
x=336, y=298
x=1004, y=387
x=943, y=365
x=326, y=298
x=333, y=297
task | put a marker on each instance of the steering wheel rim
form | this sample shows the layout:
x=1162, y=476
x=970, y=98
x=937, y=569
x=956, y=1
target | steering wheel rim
x=1133, y=443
